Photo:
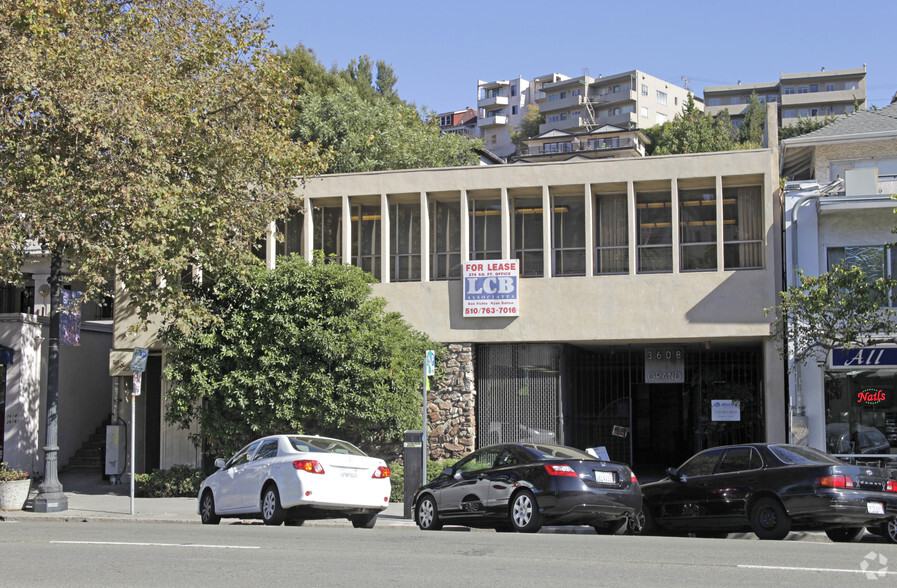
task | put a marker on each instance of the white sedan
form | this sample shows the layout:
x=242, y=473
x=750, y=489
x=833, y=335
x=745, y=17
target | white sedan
x=293, y=478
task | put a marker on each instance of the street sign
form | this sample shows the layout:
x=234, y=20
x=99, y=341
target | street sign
x=138, y=360
x=431, y=363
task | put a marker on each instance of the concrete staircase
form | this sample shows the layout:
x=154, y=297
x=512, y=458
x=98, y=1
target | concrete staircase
x=89, y=458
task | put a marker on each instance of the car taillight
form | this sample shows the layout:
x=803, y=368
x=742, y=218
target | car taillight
x=632, y=478
x=381, y=472
x=560, y=469
x=892, y=486
x=835, y=482
x=312, y=466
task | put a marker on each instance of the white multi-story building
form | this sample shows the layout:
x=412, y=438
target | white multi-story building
x=629, y=100
x=501, y=106
x=838, y=209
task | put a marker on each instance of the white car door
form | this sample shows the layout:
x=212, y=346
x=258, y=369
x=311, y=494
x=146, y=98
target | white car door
x=227, y=494
x=254, y=474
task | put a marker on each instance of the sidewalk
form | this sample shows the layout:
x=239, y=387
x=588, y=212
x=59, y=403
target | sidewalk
x=91, y=498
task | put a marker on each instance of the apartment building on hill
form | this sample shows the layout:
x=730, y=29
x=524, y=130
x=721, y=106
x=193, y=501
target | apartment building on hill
x=812, y=95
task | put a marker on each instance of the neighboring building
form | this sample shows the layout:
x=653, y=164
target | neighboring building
x=458, y=122
x=813, y=95
x=642, y=289
x=502, y=105
x=629, y=100
x=84, y=383
x=838, y=209
x=607, y=142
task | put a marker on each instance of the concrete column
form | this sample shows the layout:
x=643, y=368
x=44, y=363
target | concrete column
x=590, y=230
x=424, y=238
x=547, y=218
x=506, y=250
x=385, y=276
x=347, y=231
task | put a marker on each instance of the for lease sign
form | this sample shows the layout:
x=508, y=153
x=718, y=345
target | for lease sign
x=490, y=288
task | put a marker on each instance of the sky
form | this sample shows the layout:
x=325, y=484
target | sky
x=439, y=50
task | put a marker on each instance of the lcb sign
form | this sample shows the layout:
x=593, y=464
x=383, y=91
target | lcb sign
x=874, y=397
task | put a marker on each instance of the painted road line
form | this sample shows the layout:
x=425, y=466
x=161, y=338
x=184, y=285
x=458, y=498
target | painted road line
x=158, y=544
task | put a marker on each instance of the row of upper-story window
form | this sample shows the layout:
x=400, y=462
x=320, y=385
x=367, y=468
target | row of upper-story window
x=710, y=231
x=817, y=111
x=806, y=89
x=498, y=92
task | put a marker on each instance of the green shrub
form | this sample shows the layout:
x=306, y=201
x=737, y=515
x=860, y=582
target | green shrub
x=179, y=481
x=397, y=476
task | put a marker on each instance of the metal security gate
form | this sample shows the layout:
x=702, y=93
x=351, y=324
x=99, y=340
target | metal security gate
x=518, y=393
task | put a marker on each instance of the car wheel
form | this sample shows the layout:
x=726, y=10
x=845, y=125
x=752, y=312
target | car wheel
x=364, y=521
x=207, y=509
x=272, y=512
x=642, y=523
x=769, y=519
x=888, y=530
x=615, y=527
x=524, y=513
x=427, y=516
x=845, y=534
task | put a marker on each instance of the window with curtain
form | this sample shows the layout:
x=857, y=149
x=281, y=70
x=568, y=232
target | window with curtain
x=876, y=261
x=485, y=228
x=445, y=240
x=404, y=241
x=568, y=236
x=366, y=225
x=527, y=236
x=611, y=234
x=655, y=231
x=327, y=222
x=742, y=228
x=290, y=231
x=697, y=230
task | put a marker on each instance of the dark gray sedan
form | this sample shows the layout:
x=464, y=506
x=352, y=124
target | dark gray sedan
x=523, y=486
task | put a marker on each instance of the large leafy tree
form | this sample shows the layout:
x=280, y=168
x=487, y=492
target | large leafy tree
x=692, y=131
x=304, y=347
x=750, y=133
x=529, y=127
x=141, y=136
x=358, y=116
x=842, y=308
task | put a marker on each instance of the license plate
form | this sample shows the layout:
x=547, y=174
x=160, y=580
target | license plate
x=604, y=477
x=875, y=508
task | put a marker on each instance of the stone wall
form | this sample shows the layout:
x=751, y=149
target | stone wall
x=451, y=416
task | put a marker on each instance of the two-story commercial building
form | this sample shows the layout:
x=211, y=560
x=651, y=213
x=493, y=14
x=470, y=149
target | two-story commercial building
x=639, y=302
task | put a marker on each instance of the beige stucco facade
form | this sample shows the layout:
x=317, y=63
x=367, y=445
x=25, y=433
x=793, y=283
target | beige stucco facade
x=713, y=307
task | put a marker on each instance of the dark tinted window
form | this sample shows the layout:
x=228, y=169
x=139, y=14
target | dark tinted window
x=738, y=459
x=479, y=460
x=243, y=455
x=559, y=452
x=792, y=455
x=268, y=449
x=702, y=464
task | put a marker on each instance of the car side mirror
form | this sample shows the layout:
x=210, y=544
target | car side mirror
x=219, y=463
x=673, y=474
x=447, y=471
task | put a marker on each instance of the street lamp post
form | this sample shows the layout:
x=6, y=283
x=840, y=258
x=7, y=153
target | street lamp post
x=50, y=497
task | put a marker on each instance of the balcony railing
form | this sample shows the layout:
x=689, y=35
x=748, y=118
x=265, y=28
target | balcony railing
x=491, y=121
x=579, y=146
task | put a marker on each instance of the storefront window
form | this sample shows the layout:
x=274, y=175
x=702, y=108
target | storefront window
x=327, y=222
x=445, y=243
x=861, y=415
x=527, y=238
x=611, y=234
x=697, y=229
x=366, y=225
x=405, y=241
x=655, y=232
x=485, y=228
x=569, y=236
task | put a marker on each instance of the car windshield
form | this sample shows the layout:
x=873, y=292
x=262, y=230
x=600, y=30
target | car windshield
x=559, y=452
x=796, y=455
x=323, y=445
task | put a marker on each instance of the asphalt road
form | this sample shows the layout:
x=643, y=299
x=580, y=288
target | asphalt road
x=175, y=554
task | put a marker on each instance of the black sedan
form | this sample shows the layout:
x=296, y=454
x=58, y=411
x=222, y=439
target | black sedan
x=522, y=486
x=769, y=489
